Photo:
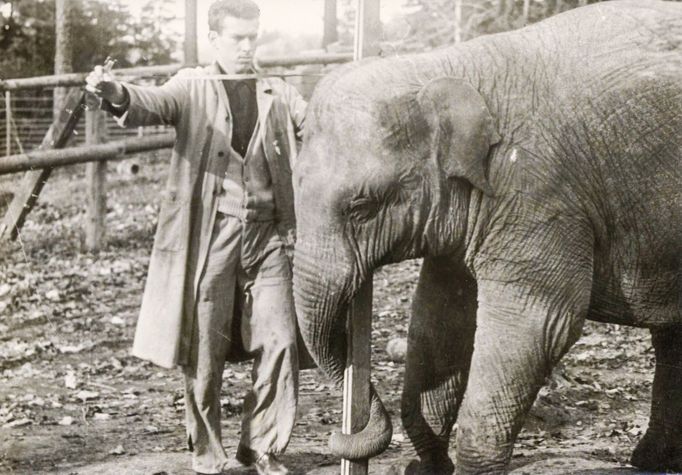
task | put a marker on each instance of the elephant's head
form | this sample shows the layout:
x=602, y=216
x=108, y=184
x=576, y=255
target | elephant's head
x=385, y=174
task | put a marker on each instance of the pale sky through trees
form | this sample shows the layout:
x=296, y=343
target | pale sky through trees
x=291, y=17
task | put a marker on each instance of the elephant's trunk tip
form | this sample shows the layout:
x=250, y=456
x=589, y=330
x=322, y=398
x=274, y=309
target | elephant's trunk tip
x=372, y=440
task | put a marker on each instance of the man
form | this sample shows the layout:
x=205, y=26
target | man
x=219, y=282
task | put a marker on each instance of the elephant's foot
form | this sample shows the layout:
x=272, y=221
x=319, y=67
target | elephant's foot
x=658, y=452
x=436, y=465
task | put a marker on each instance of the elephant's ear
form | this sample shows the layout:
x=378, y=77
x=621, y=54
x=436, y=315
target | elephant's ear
x=462, y=129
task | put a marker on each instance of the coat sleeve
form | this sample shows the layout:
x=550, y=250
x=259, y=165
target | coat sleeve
x=297, y=109
x=155, y=105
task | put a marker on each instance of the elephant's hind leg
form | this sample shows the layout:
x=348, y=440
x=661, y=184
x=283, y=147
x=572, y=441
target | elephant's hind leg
x=661, y=447
x=440, y=344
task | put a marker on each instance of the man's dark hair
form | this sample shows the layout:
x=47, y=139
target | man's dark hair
x=244, y=9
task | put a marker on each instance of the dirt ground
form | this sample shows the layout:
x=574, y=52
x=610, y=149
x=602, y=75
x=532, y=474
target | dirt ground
x=73, y=401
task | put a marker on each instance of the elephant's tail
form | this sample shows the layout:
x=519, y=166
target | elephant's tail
x=372, y=440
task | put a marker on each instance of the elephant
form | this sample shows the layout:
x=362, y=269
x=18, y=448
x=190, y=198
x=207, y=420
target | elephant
x=538, y=174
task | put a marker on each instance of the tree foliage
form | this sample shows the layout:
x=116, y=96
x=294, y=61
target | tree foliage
x=429, y=24
x=433, y=23
x=100, y=28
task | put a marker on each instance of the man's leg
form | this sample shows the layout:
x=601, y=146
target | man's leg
x=269, y=329
x=210, y=344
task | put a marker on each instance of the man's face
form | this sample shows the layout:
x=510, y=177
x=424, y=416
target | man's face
x=235, y=44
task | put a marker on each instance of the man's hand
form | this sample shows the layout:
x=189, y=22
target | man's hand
x=101, y=82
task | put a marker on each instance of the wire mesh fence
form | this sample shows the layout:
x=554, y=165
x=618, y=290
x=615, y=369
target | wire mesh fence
x=27, y=116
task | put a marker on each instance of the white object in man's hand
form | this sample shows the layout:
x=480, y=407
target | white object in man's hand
x=102, y=83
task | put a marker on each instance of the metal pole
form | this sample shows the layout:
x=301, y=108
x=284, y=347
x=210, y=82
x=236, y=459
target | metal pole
x=78, y=79
x=357, y=372
x=8, y=123
x=367, y=29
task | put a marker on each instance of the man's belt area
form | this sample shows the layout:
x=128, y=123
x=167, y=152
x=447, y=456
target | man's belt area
x=229, y=206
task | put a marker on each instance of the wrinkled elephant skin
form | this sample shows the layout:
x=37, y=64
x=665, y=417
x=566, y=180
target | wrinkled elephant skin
x=539, y=175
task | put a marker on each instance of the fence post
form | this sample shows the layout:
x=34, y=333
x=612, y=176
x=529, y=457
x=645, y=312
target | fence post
x=8, y=123
x=95, y=132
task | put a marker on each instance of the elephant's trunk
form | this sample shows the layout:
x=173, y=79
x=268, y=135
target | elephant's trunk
x=372, y=440
x=319, y=290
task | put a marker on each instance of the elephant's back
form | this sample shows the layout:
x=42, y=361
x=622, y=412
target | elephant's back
x=608, y=102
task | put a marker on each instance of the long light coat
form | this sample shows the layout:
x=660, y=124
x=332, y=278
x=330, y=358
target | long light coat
x=199, y=111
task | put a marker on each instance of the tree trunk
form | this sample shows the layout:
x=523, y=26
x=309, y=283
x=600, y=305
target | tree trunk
x=191, y=49
x=331, y=34
x=63, y=55
x=458, y=21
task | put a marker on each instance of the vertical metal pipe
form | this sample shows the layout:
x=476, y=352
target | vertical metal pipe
x=367, y=29
x=357, y=372
x=8, y=123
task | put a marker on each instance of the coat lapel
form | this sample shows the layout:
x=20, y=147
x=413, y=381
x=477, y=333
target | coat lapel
x=217, y=85
x=264, y=99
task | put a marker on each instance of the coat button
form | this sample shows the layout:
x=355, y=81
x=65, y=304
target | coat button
x=221, y=154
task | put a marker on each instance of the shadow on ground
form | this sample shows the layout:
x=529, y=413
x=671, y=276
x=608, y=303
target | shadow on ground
x=320, y=464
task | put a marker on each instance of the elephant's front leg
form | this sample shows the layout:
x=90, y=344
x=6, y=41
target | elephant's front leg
x=520, y=336
x=661, y=447
x=440, y=344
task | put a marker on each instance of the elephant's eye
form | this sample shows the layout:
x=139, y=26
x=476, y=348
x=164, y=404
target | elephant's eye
x=362, y=209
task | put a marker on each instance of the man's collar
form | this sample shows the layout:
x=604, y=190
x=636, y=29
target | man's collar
x=262, y=84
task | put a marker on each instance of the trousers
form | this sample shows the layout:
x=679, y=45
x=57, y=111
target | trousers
x=247, y=270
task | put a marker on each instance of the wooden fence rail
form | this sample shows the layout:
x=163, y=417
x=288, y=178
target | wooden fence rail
x=90, y=153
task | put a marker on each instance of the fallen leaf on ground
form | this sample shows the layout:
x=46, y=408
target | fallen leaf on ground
x=66, y=421
x=87, y=395
x=118, y=450
x=17, y=423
